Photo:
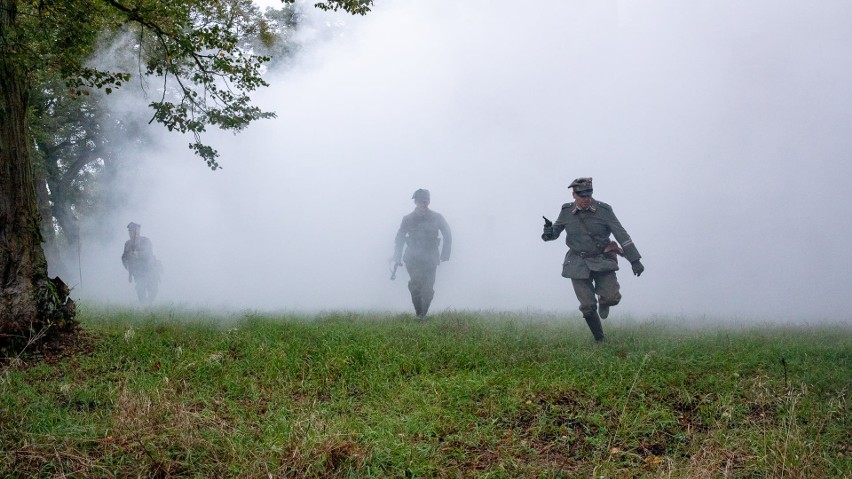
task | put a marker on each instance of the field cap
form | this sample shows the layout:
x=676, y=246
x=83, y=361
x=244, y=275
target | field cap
x=421, y=194
x=582, y=186
x=133, y=226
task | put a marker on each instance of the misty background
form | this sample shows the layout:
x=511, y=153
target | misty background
x=720, y=132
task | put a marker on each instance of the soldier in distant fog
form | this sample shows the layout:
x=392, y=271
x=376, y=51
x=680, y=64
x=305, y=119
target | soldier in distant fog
x=418, y=234
x=141, y=265
x=591, y=261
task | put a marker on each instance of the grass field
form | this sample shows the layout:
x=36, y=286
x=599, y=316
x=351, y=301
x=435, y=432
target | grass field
x=177, y=393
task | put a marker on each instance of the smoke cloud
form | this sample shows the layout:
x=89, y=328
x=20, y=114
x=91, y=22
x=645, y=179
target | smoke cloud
x=718, y=131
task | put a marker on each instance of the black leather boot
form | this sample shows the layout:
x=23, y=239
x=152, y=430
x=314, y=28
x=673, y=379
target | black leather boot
x=426, y=302
x=595, y=327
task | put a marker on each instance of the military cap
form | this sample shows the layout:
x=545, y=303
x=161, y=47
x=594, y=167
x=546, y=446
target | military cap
x=581, y=185
x=133, y=226
x=421, y=194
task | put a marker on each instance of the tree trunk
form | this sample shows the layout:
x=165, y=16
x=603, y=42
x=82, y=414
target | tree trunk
x=55, y=249
x=31, y=304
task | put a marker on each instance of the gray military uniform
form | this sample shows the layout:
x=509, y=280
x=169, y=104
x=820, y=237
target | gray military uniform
x=138, y=259
x=591, y=270
x=585, y=253
x=418, y=235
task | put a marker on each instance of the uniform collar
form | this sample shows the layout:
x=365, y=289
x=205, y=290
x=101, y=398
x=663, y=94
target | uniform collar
x=591, y=208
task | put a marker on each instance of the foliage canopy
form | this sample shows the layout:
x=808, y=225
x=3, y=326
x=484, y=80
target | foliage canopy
x=196, y=47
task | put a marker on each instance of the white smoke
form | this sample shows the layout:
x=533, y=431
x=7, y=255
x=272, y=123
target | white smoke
x=719, y=133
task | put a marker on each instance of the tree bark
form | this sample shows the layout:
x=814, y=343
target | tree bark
x=31, y=304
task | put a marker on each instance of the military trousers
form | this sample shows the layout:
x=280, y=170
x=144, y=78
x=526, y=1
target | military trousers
x=421, y=284
x=146, y=288
x=602, y=284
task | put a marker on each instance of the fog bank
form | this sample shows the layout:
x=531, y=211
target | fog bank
x=718, y=131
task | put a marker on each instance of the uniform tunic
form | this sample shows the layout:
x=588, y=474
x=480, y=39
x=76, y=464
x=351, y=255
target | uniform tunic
x=419, y=234
x=585, y=252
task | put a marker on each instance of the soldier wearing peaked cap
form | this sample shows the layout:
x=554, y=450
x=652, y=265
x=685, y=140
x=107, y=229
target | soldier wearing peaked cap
x=418, y=236
x=591, y=261
x=141, y=265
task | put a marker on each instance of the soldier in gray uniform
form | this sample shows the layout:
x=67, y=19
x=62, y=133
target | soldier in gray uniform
x=591, y=261
x=141, y=265
x=418, y=233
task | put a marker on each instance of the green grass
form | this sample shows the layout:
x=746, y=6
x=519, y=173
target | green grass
x=175, y=393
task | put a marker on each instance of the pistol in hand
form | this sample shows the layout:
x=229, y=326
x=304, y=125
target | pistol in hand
x=547, y=231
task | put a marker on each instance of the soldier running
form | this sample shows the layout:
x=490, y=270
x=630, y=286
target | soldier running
x=591, y=261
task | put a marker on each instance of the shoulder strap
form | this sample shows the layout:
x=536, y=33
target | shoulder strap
x=611, y=247
x=586, y=229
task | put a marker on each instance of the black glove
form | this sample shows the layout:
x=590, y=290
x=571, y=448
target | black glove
x=637, y=267
x=547, y=222
x=548, y=231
